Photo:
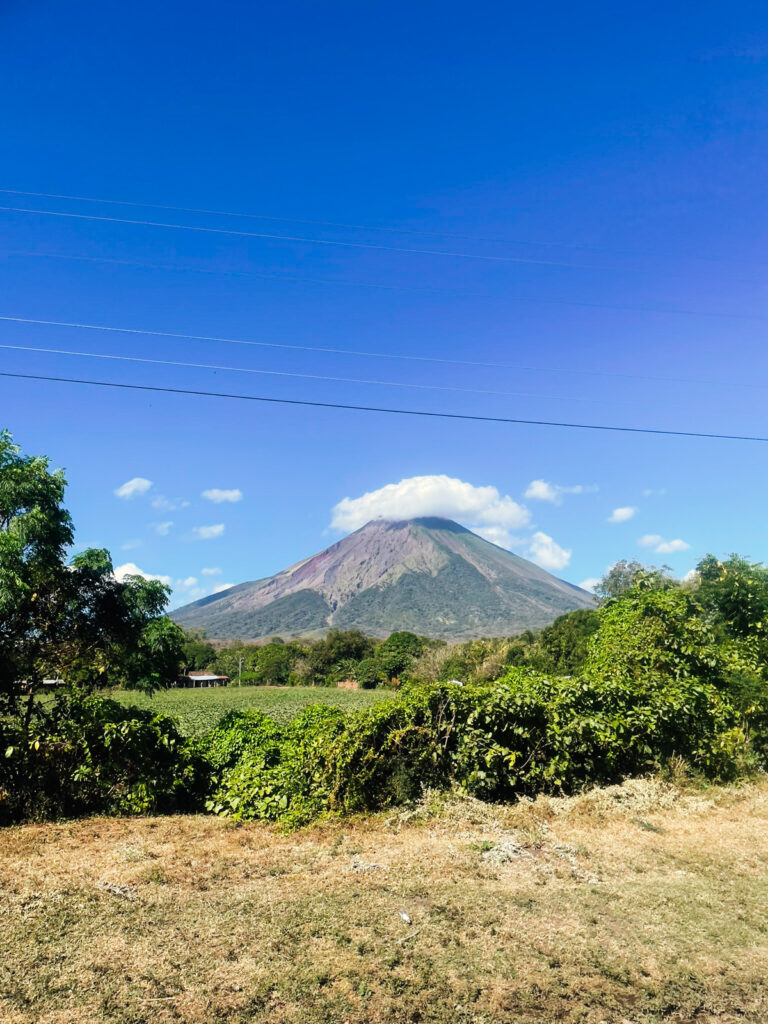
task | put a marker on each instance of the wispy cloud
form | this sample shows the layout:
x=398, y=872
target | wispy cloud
x=133, y=488
x=211, y=572
x=162, y=529
x=542, y=490
x=623, y=514
x=662, y=546
x=208, y=532
x=218, y=496
x=590, y=583
x=168, y=504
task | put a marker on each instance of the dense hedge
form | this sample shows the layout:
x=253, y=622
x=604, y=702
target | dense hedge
x=523, y=735
x=90, y=755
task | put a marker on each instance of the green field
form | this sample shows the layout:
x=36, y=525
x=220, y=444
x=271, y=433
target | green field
x=199, y=710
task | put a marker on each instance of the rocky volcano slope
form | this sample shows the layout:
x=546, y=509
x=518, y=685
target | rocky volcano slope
x=429, y=575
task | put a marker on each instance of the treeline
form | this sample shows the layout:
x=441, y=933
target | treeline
x=349, y=655
x=342, y=655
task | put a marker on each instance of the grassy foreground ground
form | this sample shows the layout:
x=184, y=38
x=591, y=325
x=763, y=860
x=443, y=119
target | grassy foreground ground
x=641, y=903
x=199, y=710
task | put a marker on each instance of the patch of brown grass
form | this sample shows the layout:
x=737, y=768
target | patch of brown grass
x=640, y=903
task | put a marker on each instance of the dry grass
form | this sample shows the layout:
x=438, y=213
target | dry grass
x=642, y=903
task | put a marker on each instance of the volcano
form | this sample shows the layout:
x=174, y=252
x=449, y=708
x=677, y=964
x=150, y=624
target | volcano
x=428, y=575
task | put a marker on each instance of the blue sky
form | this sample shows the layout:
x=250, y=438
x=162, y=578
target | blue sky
x=584, y=189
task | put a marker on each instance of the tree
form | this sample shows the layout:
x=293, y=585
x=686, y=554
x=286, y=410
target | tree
x=197, y=653
x=562, y=647
x=735, y=594
x=622, y=576
x=396, y=654
x=73, y=620
x=652, y=632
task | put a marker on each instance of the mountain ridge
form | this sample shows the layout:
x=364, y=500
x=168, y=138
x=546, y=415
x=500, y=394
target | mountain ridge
x=429, y=575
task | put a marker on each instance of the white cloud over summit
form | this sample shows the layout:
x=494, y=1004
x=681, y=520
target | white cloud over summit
x=479, y=508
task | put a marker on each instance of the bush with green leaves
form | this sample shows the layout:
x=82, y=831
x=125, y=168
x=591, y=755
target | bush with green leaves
x=91, y=755
x=524, y=735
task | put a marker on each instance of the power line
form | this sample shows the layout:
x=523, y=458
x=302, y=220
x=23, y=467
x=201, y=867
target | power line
x=344, y=226
x=297, y=238
x=302, y=376
x=379, y=355
x=263, y=275
x=389, y=411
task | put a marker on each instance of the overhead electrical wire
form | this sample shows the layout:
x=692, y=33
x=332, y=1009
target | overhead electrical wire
x=156, y=388
x=408, y=357
x=298, y=238
x=302, y=376
x=264, y=275
x=344, y=226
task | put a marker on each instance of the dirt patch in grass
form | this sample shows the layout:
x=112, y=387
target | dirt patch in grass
x=643, y=903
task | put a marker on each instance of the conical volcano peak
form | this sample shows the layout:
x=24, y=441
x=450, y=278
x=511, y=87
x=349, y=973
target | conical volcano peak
x=427, y=574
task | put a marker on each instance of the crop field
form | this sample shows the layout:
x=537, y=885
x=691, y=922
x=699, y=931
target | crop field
x=636, y=904
x=199, y=710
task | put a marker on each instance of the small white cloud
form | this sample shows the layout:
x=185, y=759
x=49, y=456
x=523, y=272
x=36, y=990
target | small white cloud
x=670, y=547
x=211, y=572
x=167, y=504
x=218, y=496
x=590, y=583
x=623, y=514
x=650, y=540
x=541, y=490
x=544, y=551
x=690, y=576
x=223, y=586
x=208, y=532
x=661, y=546
x=131, y=569
x=131, y=544
x=162, y=529
x=436, y=495
x=133, y=488
x=498, y=535
x=190, y=581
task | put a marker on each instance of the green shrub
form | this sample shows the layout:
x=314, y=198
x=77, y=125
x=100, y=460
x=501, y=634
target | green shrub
x=525, y=735
x=275, y=771
x=90, y=755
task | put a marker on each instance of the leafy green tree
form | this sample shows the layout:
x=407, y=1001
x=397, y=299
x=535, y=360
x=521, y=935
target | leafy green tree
x=652, y=632
x=74, y=620
x=397, y=653
x=197, y=653
x=624, y=575
x=735, y=594
x=338, y=646
x=562, y=647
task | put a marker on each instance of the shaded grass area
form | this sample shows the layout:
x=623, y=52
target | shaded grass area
x=199, y=710
x=640, y=903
